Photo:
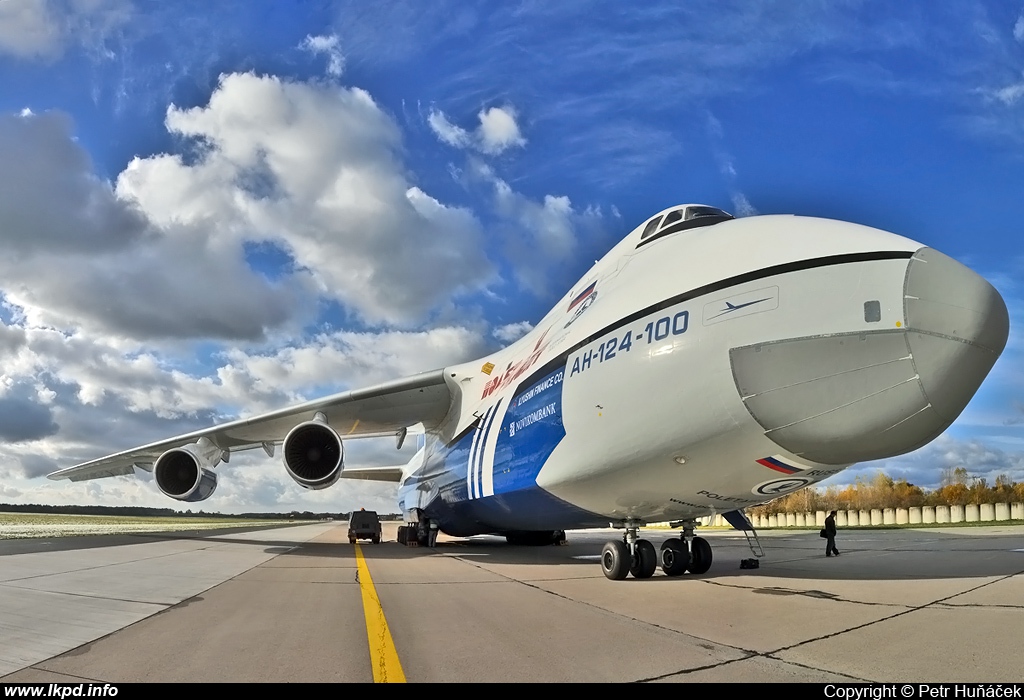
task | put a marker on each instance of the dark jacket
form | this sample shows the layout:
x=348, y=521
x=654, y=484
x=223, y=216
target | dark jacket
x=830, y=526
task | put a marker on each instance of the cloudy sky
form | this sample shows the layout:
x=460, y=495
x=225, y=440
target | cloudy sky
x=213, y=209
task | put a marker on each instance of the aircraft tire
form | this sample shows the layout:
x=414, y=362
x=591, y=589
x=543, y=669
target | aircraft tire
x=674, y=557
x=615, y=560
x=645, y=562
x=700, y=556
x=376, y=539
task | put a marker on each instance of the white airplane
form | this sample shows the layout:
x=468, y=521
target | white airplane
x=706, y=364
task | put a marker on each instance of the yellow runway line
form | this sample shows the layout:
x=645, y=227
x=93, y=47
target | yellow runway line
x=383, y=655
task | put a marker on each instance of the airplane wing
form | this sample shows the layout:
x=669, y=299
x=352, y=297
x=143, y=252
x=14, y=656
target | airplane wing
x=374, y=473
x=384, y=409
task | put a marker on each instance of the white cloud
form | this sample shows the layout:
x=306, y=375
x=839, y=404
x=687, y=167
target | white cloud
x=327, y=45
x=742, y=207
x=1018, y=29
x=512, y=332
x=541, y=238
x=28, y=29
x=497, y=132
x=77, y=254
x=42, y=29
x=726, y=166
x=446, y=131
x=1009, y=94
x=315, y=170
x=108, y=289
x=924, y=466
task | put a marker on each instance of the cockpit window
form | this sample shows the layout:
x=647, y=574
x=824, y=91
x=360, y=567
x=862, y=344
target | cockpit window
x=673, y=217
x=695, y=212
x=651, y=227
x=681, y=220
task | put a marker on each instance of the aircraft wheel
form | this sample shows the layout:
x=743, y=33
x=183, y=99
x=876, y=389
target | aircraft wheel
x=351, y=540
x=615, y=560
x=674, y=557
x=700, y=556
x=376, y=539
x=646, y=560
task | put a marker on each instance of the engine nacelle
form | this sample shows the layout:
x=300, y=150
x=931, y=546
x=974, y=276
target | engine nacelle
x=313, y=454
x=186, y=473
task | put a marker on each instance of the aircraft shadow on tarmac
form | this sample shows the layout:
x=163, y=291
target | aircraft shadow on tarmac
x=876, y=555
x=866, y=555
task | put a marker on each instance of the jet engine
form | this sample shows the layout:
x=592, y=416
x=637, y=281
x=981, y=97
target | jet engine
x=186, y=473
x=313, y=454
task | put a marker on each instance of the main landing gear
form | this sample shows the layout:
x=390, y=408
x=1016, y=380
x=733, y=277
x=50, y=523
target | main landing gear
x=420, y=533
x=638, y=557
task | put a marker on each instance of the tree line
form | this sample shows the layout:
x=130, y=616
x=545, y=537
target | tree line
x=957, y=488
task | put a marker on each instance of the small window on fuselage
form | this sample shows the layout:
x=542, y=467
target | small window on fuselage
x=650, y=228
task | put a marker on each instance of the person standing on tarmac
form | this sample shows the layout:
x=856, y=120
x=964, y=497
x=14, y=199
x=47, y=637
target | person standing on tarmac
x=830, y=534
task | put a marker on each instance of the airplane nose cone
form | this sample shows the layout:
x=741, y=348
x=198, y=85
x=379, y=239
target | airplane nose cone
x=957, y=325
x=860, y=396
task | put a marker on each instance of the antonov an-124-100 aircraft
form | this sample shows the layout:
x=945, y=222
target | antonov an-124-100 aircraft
x=706, y=364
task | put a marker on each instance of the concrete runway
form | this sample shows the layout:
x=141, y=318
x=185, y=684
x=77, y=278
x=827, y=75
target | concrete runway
x=285, y=605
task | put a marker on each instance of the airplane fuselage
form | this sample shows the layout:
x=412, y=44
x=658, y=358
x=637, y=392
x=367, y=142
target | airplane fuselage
x=705, y=369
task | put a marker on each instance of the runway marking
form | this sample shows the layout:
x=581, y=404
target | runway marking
x=383, y=655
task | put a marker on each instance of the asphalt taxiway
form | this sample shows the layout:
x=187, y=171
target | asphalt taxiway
x=302, y=604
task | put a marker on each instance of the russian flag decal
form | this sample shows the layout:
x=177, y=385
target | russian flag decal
x=582, y=295
x=778, y=465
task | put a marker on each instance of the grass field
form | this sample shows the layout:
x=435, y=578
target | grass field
x=24, y=525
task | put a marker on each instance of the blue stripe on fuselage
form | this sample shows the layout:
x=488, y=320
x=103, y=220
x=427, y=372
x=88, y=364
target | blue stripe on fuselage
x=531, y=428
x=530, y=431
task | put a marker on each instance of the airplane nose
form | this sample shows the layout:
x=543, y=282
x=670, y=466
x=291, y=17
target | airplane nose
x=957, y=325
x=855, y=397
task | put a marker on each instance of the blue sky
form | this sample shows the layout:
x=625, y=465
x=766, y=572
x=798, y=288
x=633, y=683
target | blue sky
x=213, y=209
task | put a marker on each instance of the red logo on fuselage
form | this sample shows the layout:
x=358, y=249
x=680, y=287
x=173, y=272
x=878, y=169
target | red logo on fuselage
x=515, y=370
